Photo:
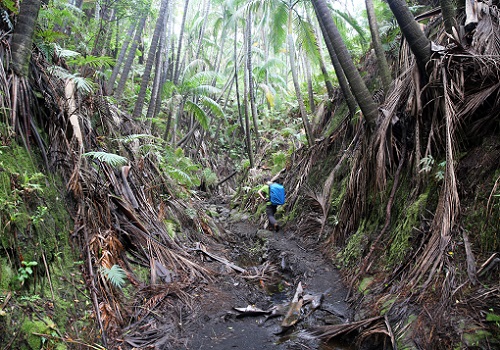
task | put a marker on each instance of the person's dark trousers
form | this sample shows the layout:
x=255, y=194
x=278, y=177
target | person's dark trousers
x=270, y=211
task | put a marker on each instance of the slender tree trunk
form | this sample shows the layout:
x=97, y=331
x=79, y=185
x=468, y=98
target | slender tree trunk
x=121, y=57
x=246, y=127
x=206, y=12
x=298, y=94
x=419, y=44
x=344, y=85
x=251, y=90
x=326, y=77
x=157, y=76
x=22, y=37
x=385, y=74
x=130, y=58
x=310, y=91
x=166, y=61
x=159, y=29
x=179, y=46
x=359, y=89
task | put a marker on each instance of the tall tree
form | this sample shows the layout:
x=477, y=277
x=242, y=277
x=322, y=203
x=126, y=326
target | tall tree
x=159, y=29
x=296, y=84
x=385, y=74
x=251, y=90
x=22, y=37
x=419, y=44
x=246, y=87
x=358, y=86
x=130, y=58
x=179, y=45
x=121, y=56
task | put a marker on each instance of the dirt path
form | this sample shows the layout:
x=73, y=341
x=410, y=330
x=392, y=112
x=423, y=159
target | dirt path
x=275, y=264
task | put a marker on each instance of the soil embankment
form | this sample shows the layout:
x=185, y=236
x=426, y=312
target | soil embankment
x=251, y=310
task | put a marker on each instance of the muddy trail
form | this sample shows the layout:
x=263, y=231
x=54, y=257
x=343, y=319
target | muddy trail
x=255, y=308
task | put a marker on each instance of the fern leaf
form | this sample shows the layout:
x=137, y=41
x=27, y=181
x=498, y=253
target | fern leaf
x=115, y=275
x=110, y=158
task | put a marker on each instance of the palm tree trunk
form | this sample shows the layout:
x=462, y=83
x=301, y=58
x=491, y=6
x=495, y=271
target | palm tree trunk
x=359, y=89
x=246, y=128
x=22, y=37
x=155, y=93
x=130, y=58
x=251, y=90
x=121, y=57
x=206, y=12
x=159, y=29
x=344, y=85
x=179, y=47
x=419, y=44
x=385, y=74
x=310, y=91
x=298, y=94
x=324, y=72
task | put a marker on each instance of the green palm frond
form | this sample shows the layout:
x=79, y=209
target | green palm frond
x=198, y=113
x=115, y=275
x=278, y=27
x=191, y=69
x=200, y=78
x=212, y=105
x=133, y=137
x=92, y=61
x=353, y=22
x=205, y=90
x=308, y=40
x=110, y=158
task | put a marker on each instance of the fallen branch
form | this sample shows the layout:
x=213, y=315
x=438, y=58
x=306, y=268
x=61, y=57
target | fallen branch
x=202, y=249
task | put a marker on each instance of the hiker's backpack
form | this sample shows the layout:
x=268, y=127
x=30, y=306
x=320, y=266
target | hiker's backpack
x=277, y=194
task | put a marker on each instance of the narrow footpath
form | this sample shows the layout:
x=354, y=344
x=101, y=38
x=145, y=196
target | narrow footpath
x=286, y=289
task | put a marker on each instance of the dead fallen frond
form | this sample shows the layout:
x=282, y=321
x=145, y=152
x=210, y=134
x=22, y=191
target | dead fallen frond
x=328, y=333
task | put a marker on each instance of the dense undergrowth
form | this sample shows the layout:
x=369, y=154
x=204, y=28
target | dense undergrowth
x=43, y=299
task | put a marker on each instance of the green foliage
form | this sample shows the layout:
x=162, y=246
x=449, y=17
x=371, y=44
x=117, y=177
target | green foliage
x=402, y=233
x=209, y=177
x=171, y=161
x=25, y=271
x=112, y=159
x=279, y=160
x=355, y=247
x=115, y=275
x=83, y=85
x=96, y=62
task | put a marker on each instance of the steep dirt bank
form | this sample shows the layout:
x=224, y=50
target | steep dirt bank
x=275, y=265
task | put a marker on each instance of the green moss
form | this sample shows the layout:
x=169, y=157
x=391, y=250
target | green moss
x=402, y=233
x=355, y=246
x=364, y=285
x=31, y=330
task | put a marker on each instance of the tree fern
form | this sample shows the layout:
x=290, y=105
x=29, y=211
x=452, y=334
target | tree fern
x=110, y=158
x=115, y=275
x=82, y=84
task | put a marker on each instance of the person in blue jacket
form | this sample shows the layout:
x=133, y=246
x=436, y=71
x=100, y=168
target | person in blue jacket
x=272, y=205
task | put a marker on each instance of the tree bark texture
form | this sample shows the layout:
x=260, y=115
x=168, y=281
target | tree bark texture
x=22, y=37
x=358, y=86
x=159, y=29
x=385, y=74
